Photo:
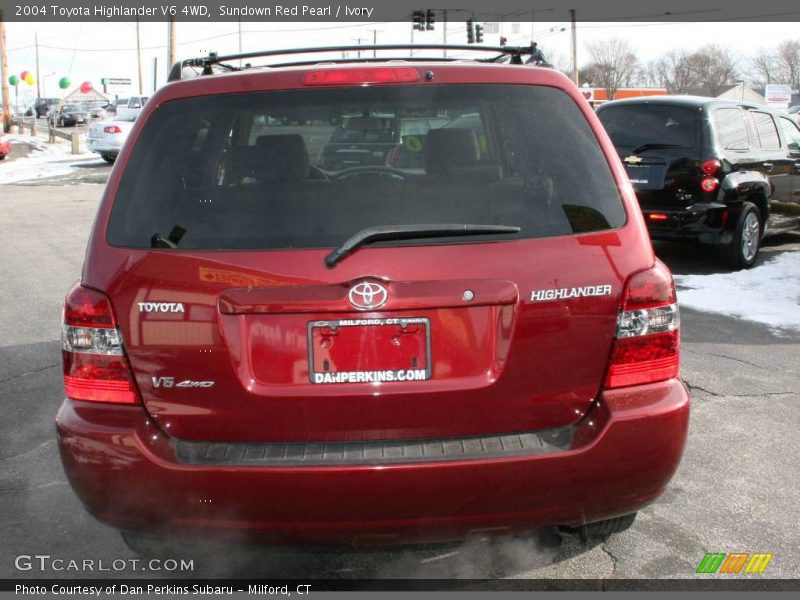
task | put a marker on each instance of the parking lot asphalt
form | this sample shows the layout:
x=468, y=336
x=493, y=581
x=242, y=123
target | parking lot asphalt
x=735, y=491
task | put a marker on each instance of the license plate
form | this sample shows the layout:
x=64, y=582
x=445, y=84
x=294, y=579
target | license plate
x=369, y=350
x=638, y=175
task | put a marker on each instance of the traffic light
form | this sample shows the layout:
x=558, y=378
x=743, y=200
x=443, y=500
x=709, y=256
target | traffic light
x=503, y=40
x=430, y=18
x=478, y=34
x=418, y=18
x=470, y=31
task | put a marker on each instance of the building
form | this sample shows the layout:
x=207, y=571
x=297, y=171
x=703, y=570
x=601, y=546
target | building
x=597, y=96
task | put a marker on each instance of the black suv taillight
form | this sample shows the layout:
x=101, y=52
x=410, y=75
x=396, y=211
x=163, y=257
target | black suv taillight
x=646, y=348
x=95, y=368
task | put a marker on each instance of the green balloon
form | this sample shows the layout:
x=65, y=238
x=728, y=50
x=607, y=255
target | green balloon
x=13, y=80
x=63, y=83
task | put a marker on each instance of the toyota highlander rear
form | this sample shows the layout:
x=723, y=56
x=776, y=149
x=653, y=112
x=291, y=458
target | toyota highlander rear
x=484, y=342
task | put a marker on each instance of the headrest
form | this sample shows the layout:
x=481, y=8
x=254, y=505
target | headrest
x=282, y=158
x=447, y=148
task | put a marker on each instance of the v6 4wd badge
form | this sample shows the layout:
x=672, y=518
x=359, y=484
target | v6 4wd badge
x=169, y=382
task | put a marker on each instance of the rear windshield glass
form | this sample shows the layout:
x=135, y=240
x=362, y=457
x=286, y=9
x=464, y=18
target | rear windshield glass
x=632, y=126
x=310, y=168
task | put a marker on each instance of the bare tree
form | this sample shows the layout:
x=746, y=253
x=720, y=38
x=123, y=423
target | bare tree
x=558, y=61
x=763, y=67
x=788, y=59
x=614, y=65
x=674, y=72
x=714, y=69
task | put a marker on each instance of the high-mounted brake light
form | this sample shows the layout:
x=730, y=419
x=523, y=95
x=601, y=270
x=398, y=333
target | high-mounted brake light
x=95, y=368
x=709, y=184
x=646, y=348
x=112, y=129
x=710, y=167
x=362, y=76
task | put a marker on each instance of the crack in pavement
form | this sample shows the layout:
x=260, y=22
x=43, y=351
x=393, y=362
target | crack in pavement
x=44, y=444
x=42, y=486
x=614, y=559
x=739, y=360
x=693, y=387
x=34, y=372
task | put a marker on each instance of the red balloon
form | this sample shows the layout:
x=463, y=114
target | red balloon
x=24, y=75
x=86, y=87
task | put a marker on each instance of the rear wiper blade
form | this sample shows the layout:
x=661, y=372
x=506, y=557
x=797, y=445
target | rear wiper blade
x=650, y=146
x=171, y=241
x=406, y=232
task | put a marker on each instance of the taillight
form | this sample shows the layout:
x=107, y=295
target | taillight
x=657, y=216
x=95, y=369
x=710, y=167
x=709, y=184
x=361, y=76
x=112, y=129
x=394, y=157
x=646, y=348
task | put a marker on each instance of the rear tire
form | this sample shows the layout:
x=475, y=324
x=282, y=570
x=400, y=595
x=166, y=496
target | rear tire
x=109, y=158
x=147, y=546
x=603, y=529
x=742, y=252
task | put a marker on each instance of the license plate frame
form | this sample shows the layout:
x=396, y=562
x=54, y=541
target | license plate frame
x=411, y=374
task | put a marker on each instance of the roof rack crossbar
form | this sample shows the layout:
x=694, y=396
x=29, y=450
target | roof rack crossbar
x=207, y=63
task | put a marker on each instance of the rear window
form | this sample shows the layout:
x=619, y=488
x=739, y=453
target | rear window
x=270, y=169
x=631, y=126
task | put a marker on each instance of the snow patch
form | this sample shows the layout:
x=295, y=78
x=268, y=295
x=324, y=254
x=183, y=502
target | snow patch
x=769, y=293
x=46, y=160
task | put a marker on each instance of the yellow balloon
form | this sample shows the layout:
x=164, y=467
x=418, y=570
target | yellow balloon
x=29, y=79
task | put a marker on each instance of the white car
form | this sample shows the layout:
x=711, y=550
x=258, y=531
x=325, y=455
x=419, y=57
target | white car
x=107, y=137
x=132, y=107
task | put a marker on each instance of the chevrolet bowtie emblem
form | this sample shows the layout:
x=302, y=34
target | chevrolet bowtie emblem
x=632, y=159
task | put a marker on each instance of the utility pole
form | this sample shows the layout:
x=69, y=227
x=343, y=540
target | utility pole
x=139, y=57
x=172, y=52
x=4, y=76
x=574, y=46
x=38, y=79
x=358, y=39
x=444, y=29
x=155, y=73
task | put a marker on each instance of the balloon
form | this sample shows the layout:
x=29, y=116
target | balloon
x=86, y=87
x=13, y=80
x=64, y=83
x=29, y=79
x=24, y=75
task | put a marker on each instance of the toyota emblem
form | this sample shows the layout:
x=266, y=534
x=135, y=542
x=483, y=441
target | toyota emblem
x=367, y=295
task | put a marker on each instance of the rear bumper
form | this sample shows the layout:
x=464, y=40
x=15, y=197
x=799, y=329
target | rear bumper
x=104, y=146
x=702, y=222
x=621, y=457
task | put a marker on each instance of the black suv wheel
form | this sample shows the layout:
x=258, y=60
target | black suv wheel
x=742, y=252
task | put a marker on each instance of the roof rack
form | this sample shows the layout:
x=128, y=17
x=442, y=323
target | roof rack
x=208, y=64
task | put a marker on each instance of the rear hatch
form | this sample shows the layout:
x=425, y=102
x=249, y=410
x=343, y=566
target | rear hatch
x=237, y=330
x=660, y=145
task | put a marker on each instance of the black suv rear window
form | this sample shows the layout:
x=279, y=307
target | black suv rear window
x=631, y=126
x=280, y=169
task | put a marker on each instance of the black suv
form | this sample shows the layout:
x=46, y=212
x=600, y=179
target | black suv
x=719, y=172
x=43, y=106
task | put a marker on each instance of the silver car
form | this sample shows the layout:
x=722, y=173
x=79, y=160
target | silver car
x=107, y=137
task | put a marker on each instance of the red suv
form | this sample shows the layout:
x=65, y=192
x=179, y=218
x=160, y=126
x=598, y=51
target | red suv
x=266, y=348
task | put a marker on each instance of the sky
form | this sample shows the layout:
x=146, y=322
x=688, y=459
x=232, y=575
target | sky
x=91, y=51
